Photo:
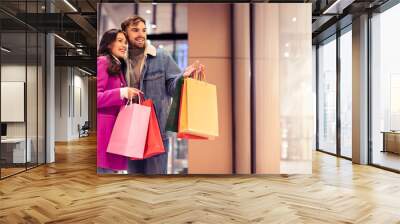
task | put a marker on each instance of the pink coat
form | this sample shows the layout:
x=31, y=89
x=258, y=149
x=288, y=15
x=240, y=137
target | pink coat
x=108, y=106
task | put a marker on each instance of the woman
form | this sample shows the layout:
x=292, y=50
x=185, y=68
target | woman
x=111, y=95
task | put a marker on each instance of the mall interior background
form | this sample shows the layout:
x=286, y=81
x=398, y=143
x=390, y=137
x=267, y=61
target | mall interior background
x=167, y=29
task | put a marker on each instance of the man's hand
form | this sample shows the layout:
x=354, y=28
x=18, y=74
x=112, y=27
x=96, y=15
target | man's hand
x=191, y=69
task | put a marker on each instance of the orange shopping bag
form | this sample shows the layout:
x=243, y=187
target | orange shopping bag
x=183, y=117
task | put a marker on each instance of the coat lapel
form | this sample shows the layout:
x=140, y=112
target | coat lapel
x=123, y=80
x=144, y=72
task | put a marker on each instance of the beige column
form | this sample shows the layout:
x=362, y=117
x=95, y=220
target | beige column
x=242, y=88
x=266, y=72
x=209, y=42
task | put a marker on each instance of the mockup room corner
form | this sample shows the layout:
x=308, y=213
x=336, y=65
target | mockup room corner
x=211, y=112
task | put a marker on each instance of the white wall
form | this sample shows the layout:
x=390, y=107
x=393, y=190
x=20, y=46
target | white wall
x=67, y=115
x=81, y=83
x=33, y=127
x=61, y=103
x=12, y=73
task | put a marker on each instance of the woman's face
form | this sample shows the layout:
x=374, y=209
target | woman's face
x=118, y=48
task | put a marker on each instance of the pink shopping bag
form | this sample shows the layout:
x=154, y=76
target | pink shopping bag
x=129, y=133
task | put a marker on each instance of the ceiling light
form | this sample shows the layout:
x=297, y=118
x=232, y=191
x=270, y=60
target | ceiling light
x=286, y=54
x=294, y=19
x=153, y=26
x=331, y=7
x=337, y=7
x=64, y=40
x=148, y=11
x=70, y=5
x=86, y=72
x=5, y=50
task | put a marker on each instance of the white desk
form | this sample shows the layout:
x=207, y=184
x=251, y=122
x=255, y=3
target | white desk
x=19, y=149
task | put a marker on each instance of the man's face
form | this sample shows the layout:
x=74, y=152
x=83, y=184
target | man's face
x=137, y=35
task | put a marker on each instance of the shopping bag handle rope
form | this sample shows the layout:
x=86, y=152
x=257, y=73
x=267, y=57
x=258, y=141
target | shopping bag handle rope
x=140, y=97
x=199, y=73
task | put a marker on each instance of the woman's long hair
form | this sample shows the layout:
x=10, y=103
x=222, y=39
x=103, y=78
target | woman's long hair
x=114, y=66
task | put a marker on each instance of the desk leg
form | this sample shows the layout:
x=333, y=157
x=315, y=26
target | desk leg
x=384, y=142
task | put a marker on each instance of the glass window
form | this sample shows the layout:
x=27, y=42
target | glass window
x=14, y=153
x=346, y=94
x=181, y=18
x=158, y=16
x=22, y=90
x=177, y=49
x=385, y=114
x=327, y=96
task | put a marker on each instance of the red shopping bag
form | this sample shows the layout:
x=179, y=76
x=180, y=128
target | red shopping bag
x=154, y=143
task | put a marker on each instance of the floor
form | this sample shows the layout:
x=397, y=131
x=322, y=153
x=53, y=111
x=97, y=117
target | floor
x=69, y=191
x=13, y=170
x=10, y=171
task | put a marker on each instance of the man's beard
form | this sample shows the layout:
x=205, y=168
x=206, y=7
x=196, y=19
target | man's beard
x=138, y=46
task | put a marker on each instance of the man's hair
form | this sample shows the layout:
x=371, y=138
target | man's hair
x=132, y=20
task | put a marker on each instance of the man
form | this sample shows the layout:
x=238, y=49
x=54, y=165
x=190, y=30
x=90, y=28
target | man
x=153, y=72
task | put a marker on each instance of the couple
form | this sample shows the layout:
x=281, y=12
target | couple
x=145, y=70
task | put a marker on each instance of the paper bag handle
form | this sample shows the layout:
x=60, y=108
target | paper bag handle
x=140, y=97
x=199, y=72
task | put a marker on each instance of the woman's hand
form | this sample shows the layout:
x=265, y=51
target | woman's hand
x=132, y=92
x=129, y=92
